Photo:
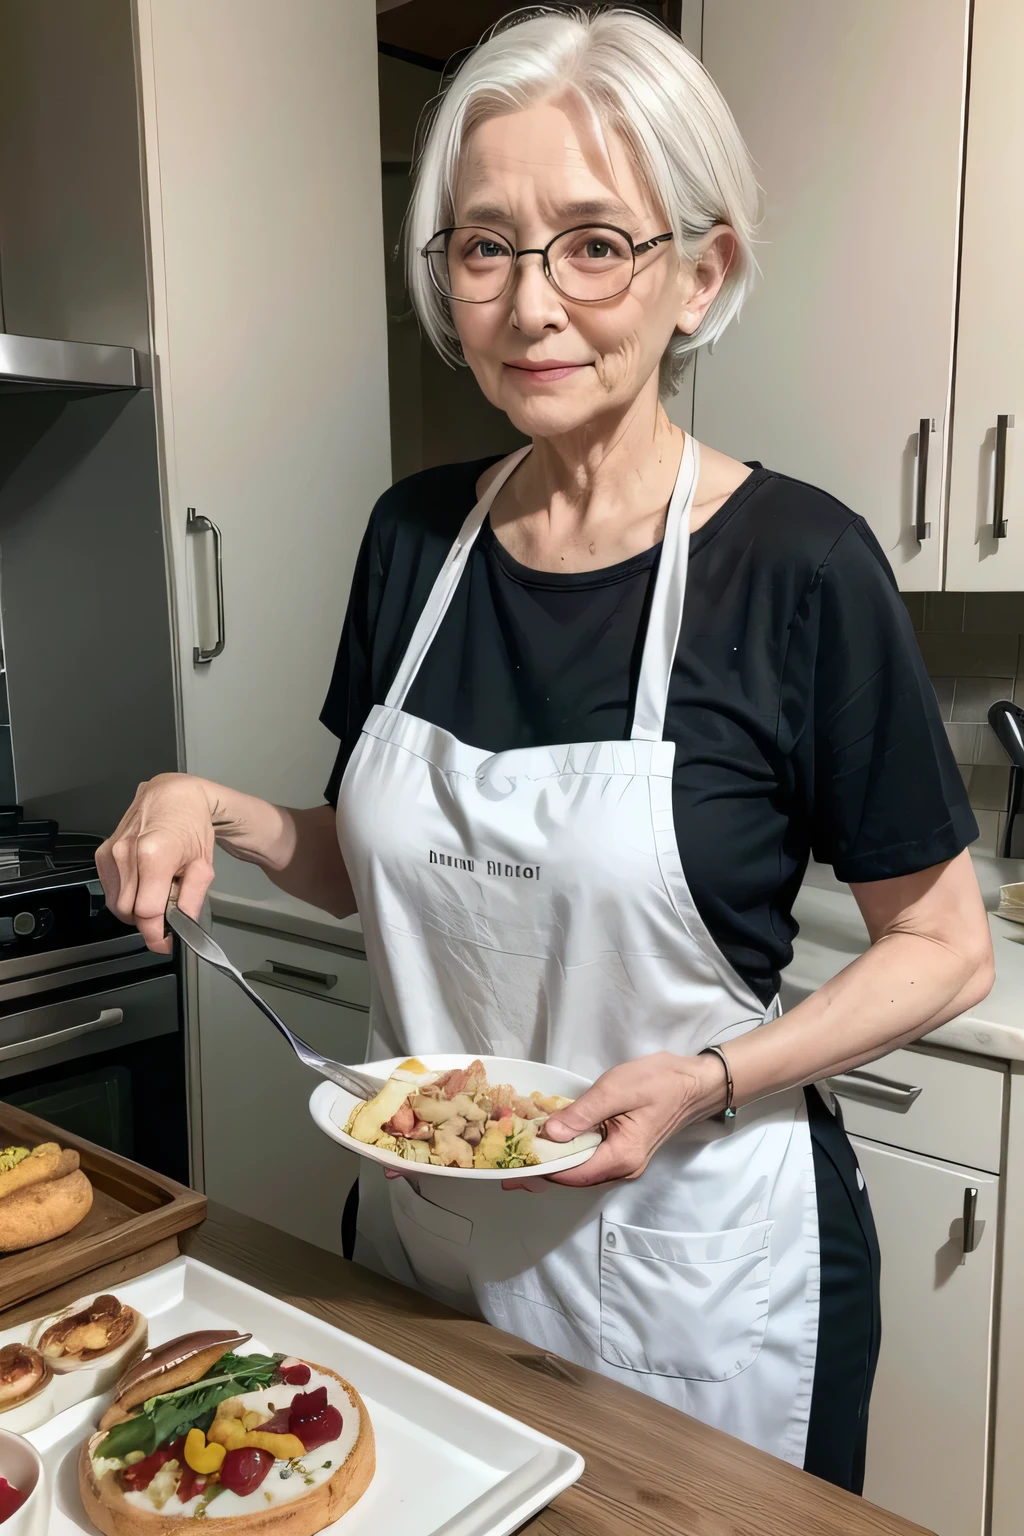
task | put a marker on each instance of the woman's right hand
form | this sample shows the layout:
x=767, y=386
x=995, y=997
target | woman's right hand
x=167, y=833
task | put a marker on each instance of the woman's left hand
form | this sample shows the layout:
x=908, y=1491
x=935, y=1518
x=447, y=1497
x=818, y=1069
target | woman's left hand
x=641, y=1104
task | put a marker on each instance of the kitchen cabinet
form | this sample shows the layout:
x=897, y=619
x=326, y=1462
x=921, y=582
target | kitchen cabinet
x=262, y=1153
x=986, y=488
x=927, y=1126
x=853, y=114
x=267, y=279
x=929, y=1426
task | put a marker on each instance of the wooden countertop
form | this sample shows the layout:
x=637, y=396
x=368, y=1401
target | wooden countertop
x=650, y=1470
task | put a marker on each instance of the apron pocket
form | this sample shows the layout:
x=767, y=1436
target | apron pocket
x=436, y=1243
x=685, y=1304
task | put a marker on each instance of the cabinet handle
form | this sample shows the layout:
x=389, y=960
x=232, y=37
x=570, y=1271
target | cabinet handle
x=868, y=1088
x=197, y=523
x=107, y=1018
x=970, y=1241
x=1003, y=424
x=309, y=983
x=925, y=428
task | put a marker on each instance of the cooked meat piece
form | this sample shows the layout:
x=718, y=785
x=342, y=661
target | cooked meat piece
x=450, y=1151
x=402, y=1121
x=470, y=1111
x=435, y=1111
x=473, y=1135
x=421, y=1131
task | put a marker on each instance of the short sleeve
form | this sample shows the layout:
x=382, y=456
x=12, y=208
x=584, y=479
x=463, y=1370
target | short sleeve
x=887, y=795
x=349, y=697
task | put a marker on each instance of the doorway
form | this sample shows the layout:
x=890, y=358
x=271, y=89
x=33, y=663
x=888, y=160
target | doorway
x=438, y=414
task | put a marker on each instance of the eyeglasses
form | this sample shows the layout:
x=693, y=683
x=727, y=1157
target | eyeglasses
x=585, y=264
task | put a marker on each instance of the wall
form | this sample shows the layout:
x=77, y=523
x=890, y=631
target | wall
x=973, y=647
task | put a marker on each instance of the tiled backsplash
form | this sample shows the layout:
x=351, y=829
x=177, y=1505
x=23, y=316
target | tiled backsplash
x=973, y=647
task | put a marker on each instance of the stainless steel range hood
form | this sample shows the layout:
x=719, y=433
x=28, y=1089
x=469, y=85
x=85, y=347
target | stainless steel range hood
x=35, y=362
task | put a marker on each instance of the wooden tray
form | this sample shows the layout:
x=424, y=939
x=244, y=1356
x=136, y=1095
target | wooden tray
x=132, y=1210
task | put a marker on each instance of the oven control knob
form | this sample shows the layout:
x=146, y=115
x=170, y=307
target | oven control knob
x=24, y=924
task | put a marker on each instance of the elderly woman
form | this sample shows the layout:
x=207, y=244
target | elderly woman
x=597, y=704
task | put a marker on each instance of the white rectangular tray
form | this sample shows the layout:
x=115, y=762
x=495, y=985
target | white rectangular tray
x=447, y=1465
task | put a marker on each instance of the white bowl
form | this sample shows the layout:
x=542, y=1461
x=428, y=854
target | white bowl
x=21, y=1465
x=94, y=1375
x=331, y=1106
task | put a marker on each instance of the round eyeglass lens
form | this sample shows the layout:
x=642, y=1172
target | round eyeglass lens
x=470, y=264
x=589, y=264
x=475, y=265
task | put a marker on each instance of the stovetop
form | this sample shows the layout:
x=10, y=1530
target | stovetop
x=36, y=865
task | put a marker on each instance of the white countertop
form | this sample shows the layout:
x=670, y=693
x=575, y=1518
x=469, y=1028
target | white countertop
x=286, y=914
x=832, y=935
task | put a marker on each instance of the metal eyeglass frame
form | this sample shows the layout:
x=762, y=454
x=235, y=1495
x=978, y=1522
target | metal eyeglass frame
x=542, y=252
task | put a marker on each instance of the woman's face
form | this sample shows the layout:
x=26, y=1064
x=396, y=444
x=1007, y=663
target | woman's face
x=528, y=176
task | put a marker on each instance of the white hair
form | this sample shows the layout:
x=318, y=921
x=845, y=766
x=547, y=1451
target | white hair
x=641, y=83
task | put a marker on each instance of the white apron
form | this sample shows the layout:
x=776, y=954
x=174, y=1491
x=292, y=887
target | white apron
x=532, y=904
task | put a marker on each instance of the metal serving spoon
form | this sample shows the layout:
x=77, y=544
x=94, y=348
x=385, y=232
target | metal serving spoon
x=207, y=948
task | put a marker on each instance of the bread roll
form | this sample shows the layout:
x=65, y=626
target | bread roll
x=39, y=1212
x=42, y=1163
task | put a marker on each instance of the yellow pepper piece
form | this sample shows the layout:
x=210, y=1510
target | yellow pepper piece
x=412, y=1065
x=200, y=1456
x=283, y=1447
x=227, y=1431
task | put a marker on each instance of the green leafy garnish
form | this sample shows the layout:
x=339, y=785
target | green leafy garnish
x=514, y=1156
x=168, y=1414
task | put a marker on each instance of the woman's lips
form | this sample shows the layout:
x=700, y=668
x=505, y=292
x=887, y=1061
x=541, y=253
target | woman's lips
x=545, y=373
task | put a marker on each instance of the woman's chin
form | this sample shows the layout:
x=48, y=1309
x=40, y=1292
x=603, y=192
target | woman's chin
x=550, y=418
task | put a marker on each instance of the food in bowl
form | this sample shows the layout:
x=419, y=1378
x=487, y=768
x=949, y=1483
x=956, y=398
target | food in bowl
x=198, y=1431
x=23, y=1373
x=43, y=1195
x=454, y=1119
x=11, y=1500
x=88, y=1331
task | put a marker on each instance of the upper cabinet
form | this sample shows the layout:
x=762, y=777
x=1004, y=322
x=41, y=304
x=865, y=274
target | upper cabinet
x=986, y=493
x=842, y=359
x=263, y=195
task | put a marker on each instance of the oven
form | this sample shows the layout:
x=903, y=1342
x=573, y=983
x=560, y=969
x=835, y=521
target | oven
x=91, y=1033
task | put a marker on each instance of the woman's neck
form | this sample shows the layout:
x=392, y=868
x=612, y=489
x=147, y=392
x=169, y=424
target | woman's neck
x=591, y=499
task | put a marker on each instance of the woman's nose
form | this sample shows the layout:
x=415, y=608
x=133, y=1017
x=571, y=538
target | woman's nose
x=536, y=304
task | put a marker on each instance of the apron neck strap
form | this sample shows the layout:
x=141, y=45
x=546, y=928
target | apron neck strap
x=666, y=611
x=436, y=606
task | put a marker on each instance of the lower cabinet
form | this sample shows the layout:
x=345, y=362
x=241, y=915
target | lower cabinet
x=928, y=1439
x=262, y=1153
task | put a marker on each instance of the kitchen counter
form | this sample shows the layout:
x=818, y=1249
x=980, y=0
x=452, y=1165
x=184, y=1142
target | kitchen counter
x=280, y=913
x=832, y=935
x=650, y=1470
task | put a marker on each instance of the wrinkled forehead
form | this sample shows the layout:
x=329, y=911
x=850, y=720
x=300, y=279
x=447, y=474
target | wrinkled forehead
x=555, y=161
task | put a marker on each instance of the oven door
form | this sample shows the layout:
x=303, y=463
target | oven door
x=107, y=1065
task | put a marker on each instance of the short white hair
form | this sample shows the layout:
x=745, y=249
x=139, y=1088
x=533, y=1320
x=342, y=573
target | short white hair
x=642, y=83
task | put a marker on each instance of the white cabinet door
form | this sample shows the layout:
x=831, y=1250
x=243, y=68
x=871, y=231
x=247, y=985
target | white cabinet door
x=853, y=114
x=990, y=343
x=262, y=1153
x=264, y=201
x=928, y=1436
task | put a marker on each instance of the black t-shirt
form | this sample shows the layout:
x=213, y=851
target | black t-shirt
x=803, y=717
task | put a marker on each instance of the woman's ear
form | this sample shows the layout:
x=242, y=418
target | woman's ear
x=703, y=278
